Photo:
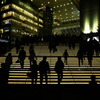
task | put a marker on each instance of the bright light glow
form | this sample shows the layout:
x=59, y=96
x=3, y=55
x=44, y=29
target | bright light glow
x=2, y=40
x=7, y=22
x=88, y=39
x=96, y=39
x=91, y=26
x=7, y=30
x=48, y=2
x=87, y=28
x=71, y=2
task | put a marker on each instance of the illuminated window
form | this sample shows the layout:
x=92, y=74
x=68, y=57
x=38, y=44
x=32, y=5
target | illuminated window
x=6, y=29
x=3, y=1
x=7, y=22
x=24, y=11
x=1, y=30
x=5, y=8
x=71, y=2
x=22, y=32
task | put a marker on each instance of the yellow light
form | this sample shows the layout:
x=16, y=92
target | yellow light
x=87, y=28
x=48, y=2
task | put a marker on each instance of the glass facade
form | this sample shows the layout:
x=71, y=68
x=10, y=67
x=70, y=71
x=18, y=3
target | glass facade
x=21, y=21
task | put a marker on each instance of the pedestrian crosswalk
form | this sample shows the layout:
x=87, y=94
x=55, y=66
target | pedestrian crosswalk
x=72, y=73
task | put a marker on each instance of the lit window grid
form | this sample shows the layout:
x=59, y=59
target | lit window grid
x=21, y=10
x=22, y=24
x=11, y=13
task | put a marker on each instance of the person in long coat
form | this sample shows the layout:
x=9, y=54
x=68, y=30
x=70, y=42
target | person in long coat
x=8, y=61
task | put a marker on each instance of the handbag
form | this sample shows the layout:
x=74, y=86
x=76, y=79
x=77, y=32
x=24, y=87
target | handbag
x=17, y=61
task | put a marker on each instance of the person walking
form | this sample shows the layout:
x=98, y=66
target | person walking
x=80, y=56
x=8, y=61
x=34, y=69
x=4, y=74
x=50, y=46
x=65, y=56
x=32, y=56
x=22, y=55
x=31, y=48
x=90, y=57
x=58, y=68
x=43, y=68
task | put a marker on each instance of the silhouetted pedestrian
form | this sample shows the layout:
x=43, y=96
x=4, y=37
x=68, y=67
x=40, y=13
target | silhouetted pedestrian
x=43, y=68
x=90, y=57
x=31, y=48
x=54, y=47
x=32, y=56
x=65, y=56
x=50, y=46
x=8, y=61
x=80, y=56
x=4, y=74
x=22, y=55
x=58, y=68
x=34, y=69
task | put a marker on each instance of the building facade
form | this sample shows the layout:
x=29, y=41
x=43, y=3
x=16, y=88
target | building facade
x=19, y=18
